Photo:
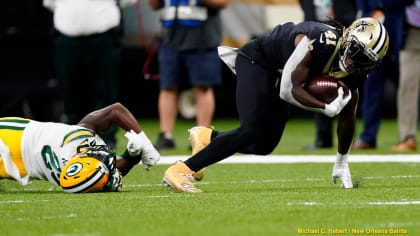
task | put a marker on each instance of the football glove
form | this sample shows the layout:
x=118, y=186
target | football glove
x=334, y=108
x=135, y=143
x=114, y=183
x=139, y=143
x=342, y=171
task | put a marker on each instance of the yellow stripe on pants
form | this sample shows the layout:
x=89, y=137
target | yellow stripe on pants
x=11, y=132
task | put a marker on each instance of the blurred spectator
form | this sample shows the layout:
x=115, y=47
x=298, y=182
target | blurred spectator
x=343, y=11
x=26, y=59
x=390, y=12
x=409, y=83
x=316, y=10
x=87, y=55
x=192, y=31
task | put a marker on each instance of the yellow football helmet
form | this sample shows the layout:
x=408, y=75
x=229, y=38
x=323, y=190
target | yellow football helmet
x=366, y=42
x=84, y=175
x=92, y=169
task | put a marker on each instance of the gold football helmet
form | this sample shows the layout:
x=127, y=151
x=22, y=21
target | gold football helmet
x=92, y=169
x=365, y=42
x=84, y=175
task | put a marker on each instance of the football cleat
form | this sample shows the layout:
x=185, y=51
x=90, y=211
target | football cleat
x=84, y=175
x=200, y=137
x=178, y=177
x=199, y=175
x=342, y=171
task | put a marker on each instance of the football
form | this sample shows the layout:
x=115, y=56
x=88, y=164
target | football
x=325, y=88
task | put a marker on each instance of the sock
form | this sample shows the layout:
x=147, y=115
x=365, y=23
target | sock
x=341, y=159
x=168, y=136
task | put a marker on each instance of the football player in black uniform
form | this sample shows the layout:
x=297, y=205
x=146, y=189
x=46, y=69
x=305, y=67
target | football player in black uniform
x=271, y=70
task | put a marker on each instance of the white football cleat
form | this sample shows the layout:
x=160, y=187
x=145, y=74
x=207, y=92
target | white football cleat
x=342, y=171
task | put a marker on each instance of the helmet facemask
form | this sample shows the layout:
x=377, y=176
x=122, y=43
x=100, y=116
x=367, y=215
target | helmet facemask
x=363, y=59
x=101, y=152
x=364, y=45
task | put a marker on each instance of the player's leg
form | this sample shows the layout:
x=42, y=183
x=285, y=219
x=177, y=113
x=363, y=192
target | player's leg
x=255, y=90
x=255, y=99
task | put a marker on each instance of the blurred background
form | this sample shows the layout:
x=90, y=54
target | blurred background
x=29, y=88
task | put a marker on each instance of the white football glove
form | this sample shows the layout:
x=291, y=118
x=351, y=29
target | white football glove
x=342, y=171
x=139, y=143
x=334, y=108
x=135, y=143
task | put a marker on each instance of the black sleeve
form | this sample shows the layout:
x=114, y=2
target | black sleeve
x=323, y=41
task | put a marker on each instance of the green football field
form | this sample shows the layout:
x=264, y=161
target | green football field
x=238, y=199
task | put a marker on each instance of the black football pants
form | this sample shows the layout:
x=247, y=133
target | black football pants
x=262, y=114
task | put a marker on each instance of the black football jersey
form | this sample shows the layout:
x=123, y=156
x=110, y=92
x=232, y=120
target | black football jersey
x=273, y=49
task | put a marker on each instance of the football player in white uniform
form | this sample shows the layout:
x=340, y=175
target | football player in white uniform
x=73, y=157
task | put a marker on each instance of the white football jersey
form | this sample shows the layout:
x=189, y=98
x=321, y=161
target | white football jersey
x=47, y=146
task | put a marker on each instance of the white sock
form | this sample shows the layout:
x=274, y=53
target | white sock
x=341, y=159
x=168, y=135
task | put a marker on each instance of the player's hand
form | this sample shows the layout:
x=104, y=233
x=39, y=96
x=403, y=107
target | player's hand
x=140, y=144
x=135, y=143
x=115, y=182
x=334, y=108
x=149, y=156
x=342, y=171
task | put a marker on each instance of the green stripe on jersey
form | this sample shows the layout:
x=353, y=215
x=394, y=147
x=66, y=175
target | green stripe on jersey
x=13, y=123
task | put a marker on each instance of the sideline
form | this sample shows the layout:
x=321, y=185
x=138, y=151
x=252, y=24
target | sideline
x=254, y=159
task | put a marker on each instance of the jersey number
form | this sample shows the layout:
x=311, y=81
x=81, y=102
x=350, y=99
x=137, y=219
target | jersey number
x=328, y=38
x=51, y=162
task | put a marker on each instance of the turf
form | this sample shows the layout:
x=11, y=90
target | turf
x=298, y=133
x=238, y=199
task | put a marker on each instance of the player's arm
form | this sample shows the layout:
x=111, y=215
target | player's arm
x=138, y=142
x=346, y=124
x=102, y=119
x=296, y=72
x=301, y=60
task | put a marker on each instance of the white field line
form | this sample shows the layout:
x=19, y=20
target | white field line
x=376, y=203
x=273, y=181
x=254, y=159
x=379, y=203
